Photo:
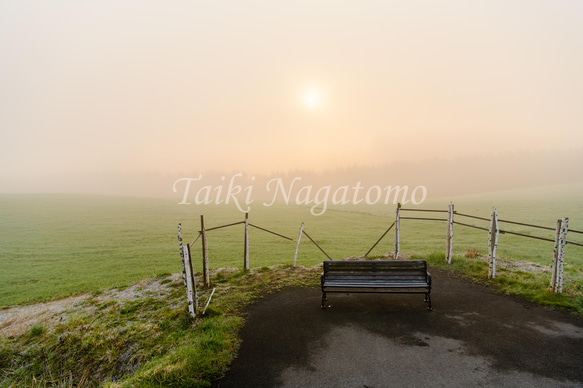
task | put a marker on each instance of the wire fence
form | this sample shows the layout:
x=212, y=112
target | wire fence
x=452, y=218
x=494, y=231
x=186, y=257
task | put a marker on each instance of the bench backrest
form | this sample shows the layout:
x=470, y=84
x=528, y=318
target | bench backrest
x=398, y=269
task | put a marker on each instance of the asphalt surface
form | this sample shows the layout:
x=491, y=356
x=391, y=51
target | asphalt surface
x=473, y=337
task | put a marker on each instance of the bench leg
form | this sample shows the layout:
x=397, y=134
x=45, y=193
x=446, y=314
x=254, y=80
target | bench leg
x=428, y=300
x=324, y=299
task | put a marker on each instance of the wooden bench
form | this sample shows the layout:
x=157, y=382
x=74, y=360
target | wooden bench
x=370, y=276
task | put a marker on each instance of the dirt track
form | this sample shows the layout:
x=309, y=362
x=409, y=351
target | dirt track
x=473, y=337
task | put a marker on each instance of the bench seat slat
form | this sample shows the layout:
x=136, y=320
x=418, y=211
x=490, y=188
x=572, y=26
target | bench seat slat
x=372, y=270
x=378, y=290
x=379, y=277
x=376, y=284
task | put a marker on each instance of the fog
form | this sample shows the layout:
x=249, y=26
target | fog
x=126, y=97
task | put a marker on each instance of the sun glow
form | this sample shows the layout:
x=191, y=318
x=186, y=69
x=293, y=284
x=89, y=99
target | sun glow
x=312, y=98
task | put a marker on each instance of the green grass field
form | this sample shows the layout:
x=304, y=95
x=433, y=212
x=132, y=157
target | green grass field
x=57, y=245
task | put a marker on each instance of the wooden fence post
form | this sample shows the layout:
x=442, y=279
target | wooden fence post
x=555, y=257
x=449, y=239
x=191, y=296
x=559, y=255
x=298, y=245
x=493, y=234
x=246, y=253
x=181, y=253
x=205, y=254
x=564, y=230
x=397, y=227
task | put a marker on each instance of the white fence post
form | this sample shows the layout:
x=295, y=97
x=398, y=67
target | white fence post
x=397, y=228
x=246, y=254
x=449, y=239
x=493, y=234
x=559, y=255
x=191, y=296
x=298, y=245
x=181, y=253
x=564, y=231
x=205, y=254
x=556, y=257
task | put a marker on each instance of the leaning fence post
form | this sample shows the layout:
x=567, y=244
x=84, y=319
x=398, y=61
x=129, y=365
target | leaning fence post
x=246, y=253
x=190, y=282
x=493, y=234
x=298, y=245
x=181, y=253
x=316, y=244
x=379, y=240
x=449, y=239
x=559, y=254
x=205, y=254
x=397, y=227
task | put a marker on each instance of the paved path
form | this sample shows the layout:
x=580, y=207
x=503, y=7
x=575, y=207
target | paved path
x=473, y=337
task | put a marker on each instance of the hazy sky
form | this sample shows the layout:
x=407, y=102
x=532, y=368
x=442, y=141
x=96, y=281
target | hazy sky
x=258, y=86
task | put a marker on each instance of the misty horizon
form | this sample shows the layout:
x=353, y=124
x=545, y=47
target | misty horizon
x=459, y=176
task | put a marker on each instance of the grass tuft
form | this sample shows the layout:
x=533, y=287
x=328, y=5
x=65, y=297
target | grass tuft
x=36, y=330
x=472, y=253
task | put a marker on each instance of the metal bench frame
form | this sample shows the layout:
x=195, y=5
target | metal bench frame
x=376, y=276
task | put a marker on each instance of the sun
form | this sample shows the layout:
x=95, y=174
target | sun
x=312, y=98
